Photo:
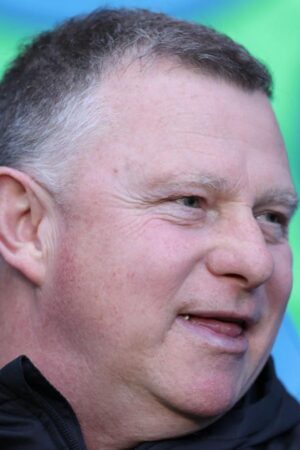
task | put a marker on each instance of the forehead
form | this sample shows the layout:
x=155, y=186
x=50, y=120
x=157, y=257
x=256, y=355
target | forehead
x=170, y=120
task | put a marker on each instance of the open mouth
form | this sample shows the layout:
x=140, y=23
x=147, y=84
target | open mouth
x=231, y=327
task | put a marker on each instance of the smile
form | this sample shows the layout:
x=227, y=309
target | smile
x=227, y=334
x=232, y=328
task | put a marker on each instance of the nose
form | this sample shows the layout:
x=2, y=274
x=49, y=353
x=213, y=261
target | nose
x=241, y=253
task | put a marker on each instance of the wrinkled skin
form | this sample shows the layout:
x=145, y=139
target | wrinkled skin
x=181, y=207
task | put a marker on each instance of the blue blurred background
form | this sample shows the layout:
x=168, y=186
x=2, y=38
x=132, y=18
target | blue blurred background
x=270, y=29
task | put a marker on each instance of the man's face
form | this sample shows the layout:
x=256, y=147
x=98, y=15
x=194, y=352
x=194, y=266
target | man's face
x=174, y=270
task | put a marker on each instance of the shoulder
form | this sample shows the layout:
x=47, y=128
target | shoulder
x=289, y=440
x=21, y=426
x=29, y=416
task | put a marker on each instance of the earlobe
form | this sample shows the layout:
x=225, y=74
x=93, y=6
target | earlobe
x=22, y=211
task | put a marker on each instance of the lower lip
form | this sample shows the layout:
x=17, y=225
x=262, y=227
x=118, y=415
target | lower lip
x=228, y=337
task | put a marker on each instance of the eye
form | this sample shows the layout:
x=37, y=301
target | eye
x=191, y=201
x=273, y=217
x=184, y=209
x=276, y=222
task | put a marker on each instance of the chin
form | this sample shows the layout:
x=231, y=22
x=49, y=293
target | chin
x=194, y=414
x=211, y=405
x=209, y=400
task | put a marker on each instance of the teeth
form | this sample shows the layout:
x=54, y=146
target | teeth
x=187, y=317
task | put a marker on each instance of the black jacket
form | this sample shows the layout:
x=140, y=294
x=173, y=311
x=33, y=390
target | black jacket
x=34, y=416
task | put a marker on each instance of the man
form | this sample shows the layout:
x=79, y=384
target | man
x=145, y=197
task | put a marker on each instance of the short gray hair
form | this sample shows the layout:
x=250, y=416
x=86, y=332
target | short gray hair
x=46, y=95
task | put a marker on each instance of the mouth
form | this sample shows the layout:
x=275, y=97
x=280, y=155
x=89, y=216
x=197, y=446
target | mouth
x=231, y=327
x=225, y=331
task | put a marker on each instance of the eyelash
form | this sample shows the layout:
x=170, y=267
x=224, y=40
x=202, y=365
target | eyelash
x=190, y=199
x=275, y=219
x=281, y=219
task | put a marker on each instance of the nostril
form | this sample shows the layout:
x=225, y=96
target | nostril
x=236, y=276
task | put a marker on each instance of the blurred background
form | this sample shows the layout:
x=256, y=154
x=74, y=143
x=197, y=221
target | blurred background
x=270, y=29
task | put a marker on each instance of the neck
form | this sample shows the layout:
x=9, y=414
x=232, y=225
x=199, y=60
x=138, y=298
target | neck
x=16, y=315
x=111, y=417
x=112, y=414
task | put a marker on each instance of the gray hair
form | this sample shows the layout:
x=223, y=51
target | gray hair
x=47, y=96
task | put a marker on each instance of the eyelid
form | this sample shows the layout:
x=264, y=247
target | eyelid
x=196, y=198
x=274, y=232
x=284, y=217
x=286, y=208
x=174, y=197
x=174, y=205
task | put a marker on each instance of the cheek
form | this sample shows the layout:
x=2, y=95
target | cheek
x=123, y=282
x=280, y=284
x=158, y=261
x=148, y=260
x=277, y=291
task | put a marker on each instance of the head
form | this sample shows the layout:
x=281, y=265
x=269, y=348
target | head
x=145, y=198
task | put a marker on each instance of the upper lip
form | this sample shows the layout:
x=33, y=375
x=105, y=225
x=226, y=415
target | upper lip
x=246, y=320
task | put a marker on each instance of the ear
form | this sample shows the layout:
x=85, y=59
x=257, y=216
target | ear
x=24, y=213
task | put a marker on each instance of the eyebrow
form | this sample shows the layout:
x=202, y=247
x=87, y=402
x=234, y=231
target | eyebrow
x=275, y=196
x=287, y=198
x=176, y=180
